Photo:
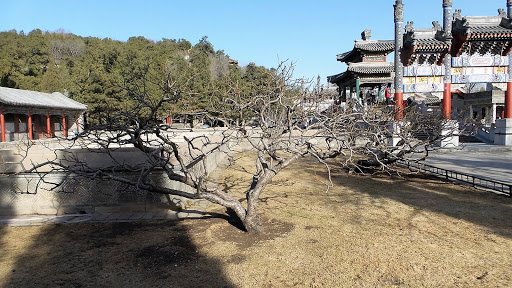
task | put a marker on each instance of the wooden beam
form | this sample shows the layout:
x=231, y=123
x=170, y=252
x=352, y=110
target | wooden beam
x=458, y=45
x=507, y=49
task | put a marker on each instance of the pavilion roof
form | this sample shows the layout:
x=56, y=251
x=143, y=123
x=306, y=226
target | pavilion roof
x=334, y=78
x=367, y=46
x=375, y=45
x=489, y=33
x=425, y=40
x=371, y=67
x=424, y=45
x=482, y=34
x=483, y=27
x=364, y=69
x=26, y=98
x=344, y=56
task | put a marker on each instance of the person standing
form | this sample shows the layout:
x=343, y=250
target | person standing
x=375, y=92
x=387, y=94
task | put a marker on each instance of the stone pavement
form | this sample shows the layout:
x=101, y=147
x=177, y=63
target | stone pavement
x=483, y=160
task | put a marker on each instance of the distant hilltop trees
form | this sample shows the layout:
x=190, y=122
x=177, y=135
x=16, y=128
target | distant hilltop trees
x=93, y=71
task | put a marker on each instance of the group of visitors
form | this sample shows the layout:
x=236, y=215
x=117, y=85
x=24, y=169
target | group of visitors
x=371, y=95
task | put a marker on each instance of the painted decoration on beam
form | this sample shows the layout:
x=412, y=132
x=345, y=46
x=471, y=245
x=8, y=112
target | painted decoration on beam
x=480, y=78
x=480, y=61
x=423, y=87
x=423, y=80
x=479, y=70
x=423, y=70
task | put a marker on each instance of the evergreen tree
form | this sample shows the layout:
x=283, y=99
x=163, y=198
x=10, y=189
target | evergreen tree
x=104, y=74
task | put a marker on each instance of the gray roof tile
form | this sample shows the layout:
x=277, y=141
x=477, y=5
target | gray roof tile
x=489, y=32
x=371, y=67
x=375, y=45
x=25, y=98
x=367, y=46
x=343, y=56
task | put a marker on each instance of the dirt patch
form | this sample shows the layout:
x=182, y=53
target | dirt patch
x=237, y=259
x=272, y=229
x=175, y=251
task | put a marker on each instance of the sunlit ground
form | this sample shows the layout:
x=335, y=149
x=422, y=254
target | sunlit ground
x=368, y=231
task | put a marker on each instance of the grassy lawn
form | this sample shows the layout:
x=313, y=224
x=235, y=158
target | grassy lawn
x=367, y=231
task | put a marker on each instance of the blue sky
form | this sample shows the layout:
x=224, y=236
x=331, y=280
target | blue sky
x=310, y=33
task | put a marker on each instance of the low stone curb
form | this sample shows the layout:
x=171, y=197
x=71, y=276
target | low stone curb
x=36, y=220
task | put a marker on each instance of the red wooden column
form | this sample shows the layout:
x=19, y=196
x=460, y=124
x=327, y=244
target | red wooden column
x=508, y=93
x=29, y=123
x=2, y=123
x=447, y=63
x=48, y=125
x=64, y=128
x=447, y=101
x=399, y=106
x=508, y=101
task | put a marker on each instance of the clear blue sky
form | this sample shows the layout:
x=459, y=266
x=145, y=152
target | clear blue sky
x=261, y=31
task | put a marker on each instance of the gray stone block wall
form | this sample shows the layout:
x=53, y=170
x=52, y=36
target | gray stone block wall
x=26, y=194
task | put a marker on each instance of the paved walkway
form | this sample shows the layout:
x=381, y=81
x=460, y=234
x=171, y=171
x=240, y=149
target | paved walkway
x=477, y=159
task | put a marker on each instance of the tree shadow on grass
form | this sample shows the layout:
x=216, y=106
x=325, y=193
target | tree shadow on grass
x=5, y=212
x=132, y=254
x=429, y=193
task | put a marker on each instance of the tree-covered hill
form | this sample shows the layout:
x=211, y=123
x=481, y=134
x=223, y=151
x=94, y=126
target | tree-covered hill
x=97, y=71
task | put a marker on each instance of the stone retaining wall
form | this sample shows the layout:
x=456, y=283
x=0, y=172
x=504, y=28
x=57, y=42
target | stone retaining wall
x=27, y=194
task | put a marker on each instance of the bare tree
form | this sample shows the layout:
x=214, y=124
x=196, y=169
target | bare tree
x=63, y=46
x=277, y=124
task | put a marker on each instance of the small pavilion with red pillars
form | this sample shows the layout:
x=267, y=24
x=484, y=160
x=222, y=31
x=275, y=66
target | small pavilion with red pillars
x=36, y=115
x=367, y=67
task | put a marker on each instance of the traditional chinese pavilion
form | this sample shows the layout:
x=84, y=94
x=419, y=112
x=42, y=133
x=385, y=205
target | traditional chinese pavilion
x=366, y=67
x=36, y=115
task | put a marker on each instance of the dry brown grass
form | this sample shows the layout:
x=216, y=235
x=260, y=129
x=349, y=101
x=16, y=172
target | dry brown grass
x=368, y=231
